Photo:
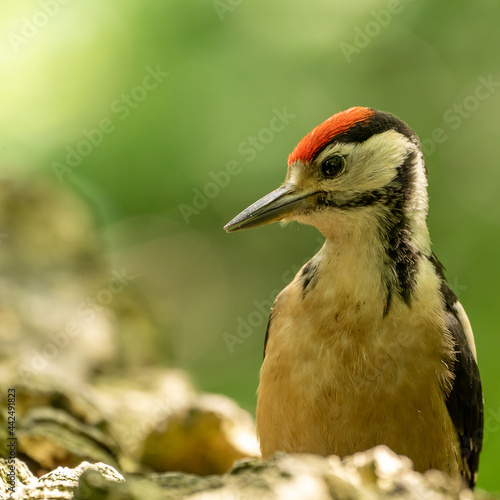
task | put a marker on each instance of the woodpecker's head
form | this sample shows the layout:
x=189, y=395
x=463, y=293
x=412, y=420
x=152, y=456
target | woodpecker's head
x=359, y=169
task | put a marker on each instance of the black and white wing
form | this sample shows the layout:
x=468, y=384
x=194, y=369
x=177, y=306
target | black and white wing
x=465, y=401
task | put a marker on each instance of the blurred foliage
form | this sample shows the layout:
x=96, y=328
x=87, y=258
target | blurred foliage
x=71, y=67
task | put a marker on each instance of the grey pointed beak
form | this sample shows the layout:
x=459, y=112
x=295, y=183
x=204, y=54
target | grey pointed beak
x=275, y=206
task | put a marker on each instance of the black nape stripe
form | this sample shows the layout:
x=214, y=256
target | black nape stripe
x=396, y=230
x=438, y=267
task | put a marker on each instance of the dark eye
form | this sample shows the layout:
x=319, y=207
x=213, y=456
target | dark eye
x=333, y=166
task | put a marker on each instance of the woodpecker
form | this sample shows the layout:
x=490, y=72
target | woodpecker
x=367, y=345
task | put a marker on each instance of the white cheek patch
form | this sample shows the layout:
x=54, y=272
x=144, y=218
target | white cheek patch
x=371, y=164
x=375, y=162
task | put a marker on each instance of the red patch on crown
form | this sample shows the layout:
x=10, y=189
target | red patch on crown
x=324, y=133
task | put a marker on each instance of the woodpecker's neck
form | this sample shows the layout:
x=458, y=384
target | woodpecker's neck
x=368, y=265
x=354, y=270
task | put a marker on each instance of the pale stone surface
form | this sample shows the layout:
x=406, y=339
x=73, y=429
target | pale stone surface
x=374, y=474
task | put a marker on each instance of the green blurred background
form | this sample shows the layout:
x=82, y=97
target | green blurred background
x=178, y=88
